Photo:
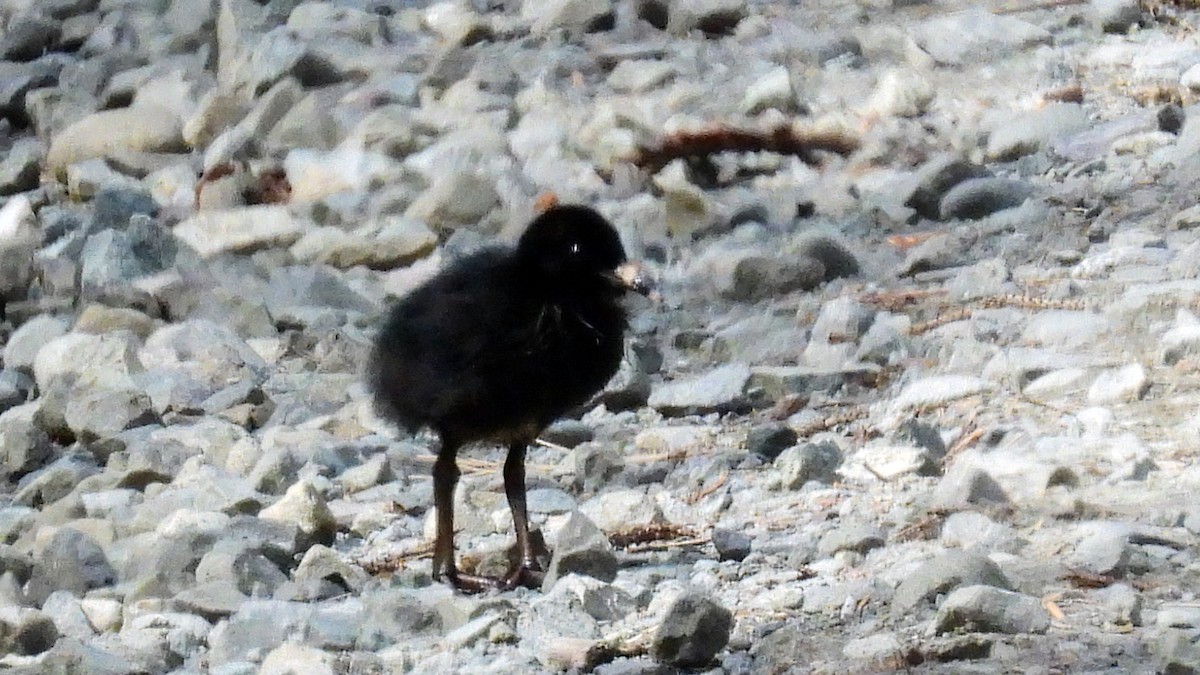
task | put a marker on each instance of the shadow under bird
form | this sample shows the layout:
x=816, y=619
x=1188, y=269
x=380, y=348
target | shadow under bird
x=497, y=346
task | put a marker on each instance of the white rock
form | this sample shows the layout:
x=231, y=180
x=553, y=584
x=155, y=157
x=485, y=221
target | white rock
x=240, y=230
x=104, y=360
x=900, y=93
x=939, y=390
x=638, y=75
x=773, y=90
x=314, y=174
x=142, y=128
x=1127, y=383
x=19, y=239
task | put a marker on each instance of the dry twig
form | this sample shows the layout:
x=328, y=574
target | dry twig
x=784, y=139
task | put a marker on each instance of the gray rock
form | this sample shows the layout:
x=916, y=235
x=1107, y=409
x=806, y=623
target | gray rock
x=770, y=440
x=101, y=413
x=27, y=37
x=1106, y=551
x=1171, y=118
x=115, y=209
x=1032, y=131
x=25, y=631
x=991, y=610
x=976, y=36
x=977, y=198
x=70, y=655
x=304, y=506
x=719, y=390
x=68, y=615
x=596, y=465
x=18, y=79
x=948, y=571
x=581, y=548
x=455, y=199
x=575, y=16
x=241, y=566
x=97, y=359
x=70, y=561
x=24, y=446
x=20, y=168
x=154, y=565
x=568, y=433
x=395, y=615
x=16, y=563
x=731, y=544
x=616, y=510
x=753, y=277
x=692, y=631
x=714, y=17
x=800, y=464
x=312, y=287
x=16, y=387
x=265, y=624
x=836, y=332
x=600, y=600
x=53, y=482
x=324, y=563
x=976, y=532
x=1178, y=652
x=856, y=538
x=964, y=486
x=935, y=178
x=947, y=249
x=1115, y=16
x=630, y=387
x=279, y=54
x=205, y=351
x=1122, y=605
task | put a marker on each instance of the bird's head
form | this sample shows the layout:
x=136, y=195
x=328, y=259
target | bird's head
x=573, y=246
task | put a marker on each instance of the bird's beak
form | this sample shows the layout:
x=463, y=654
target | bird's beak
x=631, y=276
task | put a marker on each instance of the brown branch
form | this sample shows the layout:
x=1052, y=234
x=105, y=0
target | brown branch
x=784, y=140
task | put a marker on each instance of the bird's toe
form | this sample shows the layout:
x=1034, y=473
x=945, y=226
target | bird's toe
x=524, y=575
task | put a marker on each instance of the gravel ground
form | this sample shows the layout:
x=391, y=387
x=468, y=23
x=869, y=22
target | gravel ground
x=920, y=394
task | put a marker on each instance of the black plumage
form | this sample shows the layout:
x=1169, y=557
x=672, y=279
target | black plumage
x=497, y=346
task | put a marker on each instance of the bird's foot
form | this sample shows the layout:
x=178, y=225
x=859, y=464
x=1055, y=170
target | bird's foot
x=523, y=575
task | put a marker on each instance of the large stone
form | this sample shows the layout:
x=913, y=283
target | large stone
x=69, y=561
x=991, y=610
x=142, y=128
x=25, y=631
x=581, y=548
x=693, y=630
x=951, y=570
x=719, y=390
x=19, y=239
x=93, y=359
x=241, y=230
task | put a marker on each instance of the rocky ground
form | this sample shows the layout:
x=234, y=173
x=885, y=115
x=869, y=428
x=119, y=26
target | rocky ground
x=976, y=453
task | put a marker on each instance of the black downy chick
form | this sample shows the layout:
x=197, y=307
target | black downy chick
x=496, y=347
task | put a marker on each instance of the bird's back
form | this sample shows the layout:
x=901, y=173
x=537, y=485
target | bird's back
x=479, y=351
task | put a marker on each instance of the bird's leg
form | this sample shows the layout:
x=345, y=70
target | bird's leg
x=445, y=477
x=528, y=573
